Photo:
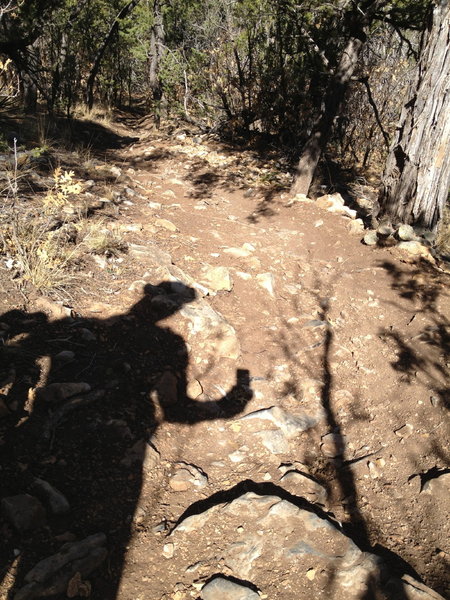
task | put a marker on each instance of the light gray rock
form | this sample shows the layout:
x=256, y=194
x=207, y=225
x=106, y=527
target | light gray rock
x=224, y=589
x=438, y=486
x=290, y=425
x=385, y=230
x=406, y=233
x=216, y=278
x=150, y=253
x=24, y=512
x=253, y=531
x=416, y=248
x=371, y=238
x=267, y=282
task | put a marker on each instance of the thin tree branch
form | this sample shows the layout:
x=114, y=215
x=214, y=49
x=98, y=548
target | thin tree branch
x=365, y=82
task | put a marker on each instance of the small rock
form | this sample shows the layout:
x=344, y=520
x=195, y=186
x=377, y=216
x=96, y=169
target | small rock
x=385, y=230
x=374, y=472
x=371, y=238
x=64, y=357
x=217, y=278
x=56, y=393
x=333, y=444
x=224, y=589
x=330, y=201
x=115, y=171
x=238, y=252
x=166, y=224
x=24, y=512
x=57, y=502
x=406, y=233
x=150, y=253
x=155, y=205
x=87, y=335
x=168, y=550
x=194, y=389
x=405, y=431
x=355, y=226
x=237, y=456
x=266, y=281
x=187, y=477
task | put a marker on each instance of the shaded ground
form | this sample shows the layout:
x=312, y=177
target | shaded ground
x=357, y=335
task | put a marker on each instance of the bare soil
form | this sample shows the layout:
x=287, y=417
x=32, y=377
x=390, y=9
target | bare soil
x=322, y=321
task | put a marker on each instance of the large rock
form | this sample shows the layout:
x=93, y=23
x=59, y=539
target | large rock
x=54, y=574
x=253, y=532
x=224, y=589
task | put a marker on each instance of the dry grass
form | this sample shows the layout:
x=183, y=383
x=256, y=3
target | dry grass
x=106, y=241
x=96, y=114
x=443, y=237
x=37, y=255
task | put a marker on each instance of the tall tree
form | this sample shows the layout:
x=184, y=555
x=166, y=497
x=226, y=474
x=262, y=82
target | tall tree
x=356, y=21
x=416, y=179
x=157, y=49
x=124, y=11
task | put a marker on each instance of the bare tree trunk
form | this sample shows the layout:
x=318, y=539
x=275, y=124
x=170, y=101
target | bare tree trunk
x=416, y=179
x=101, y=51
x=157, y=39
x=358, y=21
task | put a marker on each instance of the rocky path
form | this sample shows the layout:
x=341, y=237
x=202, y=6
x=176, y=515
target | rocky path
x=311, y=458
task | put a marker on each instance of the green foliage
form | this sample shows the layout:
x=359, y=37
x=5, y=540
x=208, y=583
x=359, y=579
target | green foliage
x=260, y=64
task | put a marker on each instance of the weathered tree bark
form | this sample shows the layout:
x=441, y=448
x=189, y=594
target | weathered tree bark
x=416, y=180
x=101, y=51
x=357, y=22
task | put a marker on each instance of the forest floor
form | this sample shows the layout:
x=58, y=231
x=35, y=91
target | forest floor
x=232, y=348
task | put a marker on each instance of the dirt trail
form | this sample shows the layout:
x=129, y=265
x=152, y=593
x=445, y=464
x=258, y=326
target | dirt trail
x=340, y=338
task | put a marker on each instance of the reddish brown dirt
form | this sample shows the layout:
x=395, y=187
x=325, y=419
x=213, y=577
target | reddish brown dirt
x=377, y=363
